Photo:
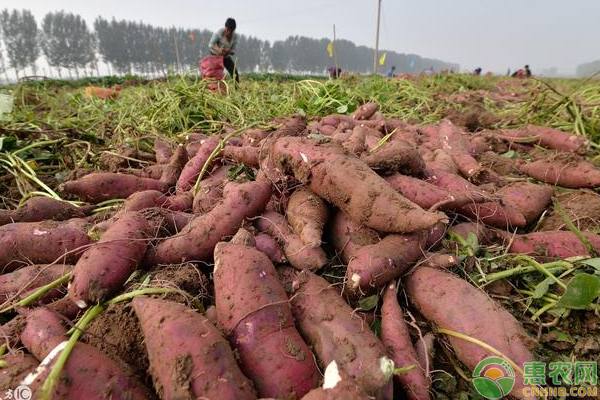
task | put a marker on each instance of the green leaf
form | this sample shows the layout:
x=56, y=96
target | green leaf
x=542, y=288
x=509, y=154
x=343, y=109
x=7, y=142
x=592, y=262
x=582, y=289
x=472, y=241
x=368, y=303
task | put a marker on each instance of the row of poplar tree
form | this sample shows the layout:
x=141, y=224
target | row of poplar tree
x=70, y=47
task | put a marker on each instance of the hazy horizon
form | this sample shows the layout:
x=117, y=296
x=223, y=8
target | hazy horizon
x=489, y=34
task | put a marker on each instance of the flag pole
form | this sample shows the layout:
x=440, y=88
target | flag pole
x=334, y=51
x=375, y=58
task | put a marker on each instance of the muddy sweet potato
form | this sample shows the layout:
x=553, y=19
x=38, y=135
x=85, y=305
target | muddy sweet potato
x=257, y=318
x=348, y=183
x=548, y=137
x=472, y=170
x=452, y=303
x=102, y=186
x=396, y=339
x=425, y=194
x=395, y=156
x=563, y=170
x=245, y=154
x=173, y=168
x=269, y=246
x=529, y=199
x=18, y=366
x=106, y=265
x=376, y=264
x=87, y=374
x=192, y=168
x=188, y=356
x=163, y=151
x=365, y=111
x=461, y=189
x=348, y=237
x=210, y=191
x=494, y=214
x=298, y=254
x=481, y=232
x=23, y=280
x=337, y=386
x=198, y=239
x=550, y=245
x=41, y=208
x=307, y=214
x=23, y=243
x=336, y=333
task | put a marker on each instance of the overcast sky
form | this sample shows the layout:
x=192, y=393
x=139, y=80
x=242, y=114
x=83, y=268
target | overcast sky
x=493, y=34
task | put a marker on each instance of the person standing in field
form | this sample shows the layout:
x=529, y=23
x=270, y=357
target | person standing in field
x=223, y=43
x=391, y=72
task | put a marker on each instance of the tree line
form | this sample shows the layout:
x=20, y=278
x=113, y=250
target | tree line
x=70, y=46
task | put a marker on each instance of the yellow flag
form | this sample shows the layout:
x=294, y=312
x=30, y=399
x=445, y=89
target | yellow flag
x=330, y=49
x=382, y=59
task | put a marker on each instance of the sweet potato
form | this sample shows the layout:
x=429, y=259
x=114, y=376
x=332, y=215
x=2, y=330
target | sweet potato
x=355, y=143
x=440, y=260
x=472, y=170
x=188, y=357
x=348, y=237
x=396, y=339
x=554, y=244
x=425, y=348
x=31, y=277
x=563, y=170
x=41, y=208
x=480, y=231
x=365, y=111
x=253, y=310
x=101, y=186
x=41, y=243
x=172, y=170
x=18, y=366
x=435, y=235
x=163, y=151
x=348, y=183
x=253, y=137
x=307, y=214
x=192, y=168
x=549, y=138
x=87, y=374
x=198, y=239
x=452, y=303
x=376, y=264
x=298, y=254
x=337, y=386
x=152, y=171
x=458, y=187
x=210, y=191
x=269, y=246
x=529, y=199
x=246, y=155
x=494, y=214
x=106, y=265
x=335, y=332
x=395, y=156
x=425, y=194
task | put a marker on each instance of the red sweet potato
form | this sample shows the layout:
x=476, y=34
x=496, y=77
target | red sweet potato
x=348, y=183
x=163, y=151
x=198, y=239
x=307, y=214
x=335, y=332
x=188, y=356
x=494, y=214
x=355, y=143
x=257, y=318
x=376, y=264
x=396, y=339
x=269, y=246
x=425, y=349
x=192, y=168
x=553, y=244
x=425, y=194
x=365, y=111
x=549, y=138
x=106, y=265
x=348, y=237
x=23, y=280
x=245, y=154
x=152, y=171
x=41, y=208
x=42, y=242
x=101, y=186
x=87, y=374
x=210, y=191
x=563, y=170
x=298, y=254
x=253, y=137
x=439, y=260
x=172, y=170
x=458, y=187
x=337, y=386
x=452, y=303
x=18, y=366
x=472, y=170
x=480, y=231
x=395, y=156
x=529, y=199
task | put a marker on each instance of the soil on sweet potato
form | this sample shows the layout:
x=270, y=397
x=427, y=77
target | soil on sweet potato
x=582, y=207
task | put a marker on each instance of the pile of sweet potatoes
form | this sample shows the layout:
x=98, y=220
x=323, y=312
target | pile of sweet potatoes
x=295, y=226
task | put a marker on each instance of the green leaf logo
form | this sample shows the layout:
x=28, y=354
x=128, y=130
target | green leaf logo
x=493, y=378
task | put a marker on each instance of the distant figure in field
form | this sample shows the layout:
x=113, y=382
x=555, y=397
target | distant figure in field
x=391, y=72
x=522, y=73
x=477, y=71
x=223, y=43
x=334, y=72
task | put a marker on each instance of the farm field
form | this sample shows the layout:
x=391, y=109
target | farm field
x=182, y=241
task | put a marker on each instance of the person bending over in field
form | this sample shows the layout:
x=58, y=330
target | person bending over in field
x=223, y=43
